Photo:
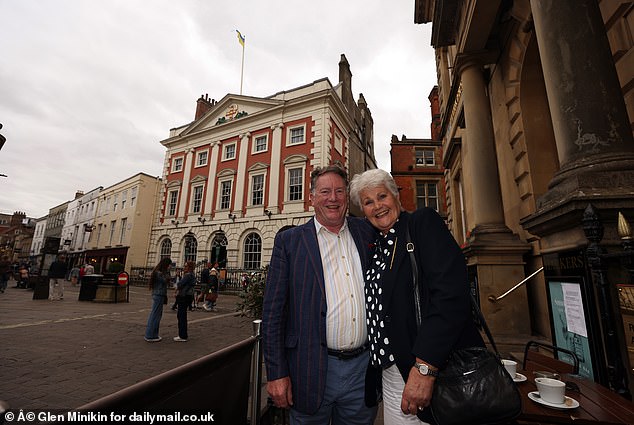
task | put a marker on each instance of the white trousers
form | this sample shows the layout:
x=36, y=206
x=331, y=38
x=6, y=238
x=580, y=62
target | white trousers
x=56, y=289
x=393, y=386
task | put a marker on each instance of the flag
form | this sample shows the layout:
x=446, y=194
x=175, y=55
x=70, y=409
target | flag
x=240, y=38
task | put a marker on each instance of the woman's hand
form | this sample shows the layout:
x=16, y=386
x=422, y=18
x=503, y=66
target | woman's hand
x=417, y=393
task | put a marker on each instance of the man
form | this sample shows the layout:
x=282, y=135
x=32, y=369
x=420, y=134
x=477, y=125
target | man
x=5, y=270
x=56, y=276
x=313, y=319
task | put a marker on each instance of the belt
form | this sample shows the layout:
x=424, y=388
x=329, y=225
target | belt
x=348, y=354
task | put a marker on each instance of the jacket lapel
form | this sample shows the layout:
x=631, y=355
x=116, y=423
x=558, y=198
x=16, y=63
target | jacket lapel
x=395, y=274
x=311, y=248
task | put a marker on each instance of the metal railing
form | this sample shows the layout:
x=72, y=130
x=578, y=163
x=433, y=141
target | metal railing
x=494, y=299
x=216, y=384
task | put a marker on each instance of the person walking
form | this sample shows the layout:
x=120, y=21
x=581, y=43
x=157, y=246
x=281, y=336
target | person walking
x=313, y=319
x=159, y=279
x=56, y=276
x=5, y=270
x=184, y=298
x=408, y=356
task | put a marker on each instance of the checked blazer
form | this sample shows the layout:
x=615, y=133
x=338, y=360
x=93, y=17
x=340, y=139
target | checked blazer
x=294, y=311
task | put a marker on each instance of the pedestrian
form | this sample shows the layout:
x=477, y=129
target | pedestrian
x=409, y=356
x=313, y=321
x=211, y=294
x=159, y=279
x=74, y=275
x=56, y=275
x=5, y=270
x=184, y=298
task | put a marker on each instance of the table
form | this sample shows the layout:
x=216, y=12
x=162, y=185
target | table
x=597, y=404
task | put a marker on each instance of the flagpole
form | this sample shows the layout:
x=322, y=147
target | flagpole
x=242, y=69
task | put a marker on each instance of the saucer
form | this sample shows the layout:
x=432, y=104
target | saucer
x=571, y=402
x=519, y=378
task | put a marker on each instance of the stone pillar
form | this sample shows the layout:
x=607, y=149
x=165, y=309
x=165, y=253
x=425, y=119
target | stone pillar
x=241, y=179
x=482, y=161
x=592, y=131
x=584, y=94
x=183, y=208
x=492, y=249
x=211, y=178
x=276, y=161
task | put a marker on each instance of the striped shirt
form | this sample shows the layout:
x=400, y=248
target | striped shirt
x=343, y=280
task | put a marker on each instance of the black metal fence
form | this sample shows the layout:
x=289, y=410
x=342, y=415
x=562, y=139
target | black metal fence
x=230, y=279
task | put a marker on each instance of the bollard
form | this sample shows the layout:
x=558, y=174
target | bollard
x=256, y=378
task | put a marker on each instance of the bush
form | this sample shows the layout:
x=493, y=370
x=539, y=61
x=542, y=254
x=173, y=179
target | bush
x=251, y=299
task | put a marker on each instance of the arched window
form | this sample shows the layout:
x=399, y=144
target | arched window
x=219, y=250
x=191, y=248
x=252, y=251
x=166, y=249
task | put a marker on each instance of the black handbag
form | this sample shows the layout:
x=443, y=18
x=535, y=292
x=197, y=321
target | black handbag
x=473, y=388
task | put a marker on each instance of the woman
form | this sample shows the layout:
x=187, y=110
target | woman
x=184, y=298
x=408, y=355
x=159, y=279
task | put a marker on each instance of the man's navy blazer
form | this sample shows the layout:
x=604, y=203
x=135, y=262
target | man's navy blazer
x=294, y=310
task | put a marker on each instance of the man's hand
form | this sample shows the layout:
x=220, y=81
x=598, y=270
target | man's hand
x=417, y=393
x=280, y=392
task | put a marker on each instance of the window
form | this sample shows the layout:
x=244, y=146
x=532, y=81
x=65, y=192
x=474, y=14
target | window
x=219, y=250
x=124, y=223
x=260, y=144
x=191, y=248
x=177, y=164
x=100, y=228
x=225, y=195
x=201, y=158
x=197, y=199
x=133, y=196
x=425, y=158
x=124, y=198
x=426, y=195
x=257, y=190
x=112, y=227
x=252, y=251
x=296, y=135
x=338, y=143
x=295, y=184
x=229, y=152
x=166, y=249
x=115, y=202
x=171, y=203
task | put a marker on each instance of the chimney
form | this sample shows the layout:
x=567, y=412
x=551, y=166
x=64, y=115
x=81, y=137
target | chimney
x=203, y=105
x=345, y=78
x=79, y=194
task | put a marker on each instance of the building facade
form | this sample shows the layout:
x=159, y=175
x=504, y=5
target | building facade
x=80, y=217
x=240, y=171
x=120, y=232
x=539, y=153
x=417, y=167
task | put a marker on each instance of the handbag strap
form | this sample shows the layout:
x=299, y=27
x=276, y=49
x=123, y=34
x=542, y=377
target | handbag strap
x=417, y=308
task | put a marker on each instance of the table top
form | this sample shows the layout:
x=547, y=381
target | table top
x=597, y=404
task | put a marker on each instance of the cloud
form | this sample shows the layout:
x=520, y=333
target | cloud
x=89, y=89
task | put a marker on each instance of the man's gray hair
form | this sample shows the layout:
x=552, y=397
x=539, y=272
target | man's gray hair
x=371, y=179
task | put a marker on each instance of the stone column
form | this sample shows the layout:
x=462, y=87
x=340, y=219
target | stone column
x=493, y=250
x=584, y=94
x=183, y=208
x=482, y=161
x=274, y=178
x=241, y=178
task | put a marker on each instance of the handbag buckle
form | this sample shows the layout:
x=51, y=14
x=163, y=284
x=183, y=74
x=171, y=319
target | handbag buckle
x=409, y=246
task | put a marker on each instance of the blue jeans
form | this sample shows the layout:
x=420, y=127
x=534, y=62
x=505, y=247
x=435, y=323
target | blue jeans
x=344, y=396
x=183, y=302
x=153, y=321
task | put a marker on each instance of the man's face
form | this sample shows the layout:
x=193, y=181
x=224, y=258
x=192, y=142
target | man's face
x=330, y=200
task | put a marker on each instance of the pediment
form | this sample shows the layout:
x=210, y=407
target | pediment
x=230, y=109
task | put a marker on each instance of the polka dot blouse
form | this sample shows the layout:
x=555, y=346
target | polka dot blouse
x=377, y=333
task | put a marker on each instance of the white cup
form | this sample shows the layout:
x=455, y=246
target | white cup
x=551, y=390
x=510, y=366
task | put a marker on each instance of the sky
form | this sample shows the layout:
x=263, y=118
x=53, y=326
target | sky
x=89, y=88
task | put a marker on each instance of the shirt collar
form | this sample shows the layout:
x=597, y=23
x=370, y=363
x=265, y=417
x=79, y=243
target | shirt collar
x=319, y=226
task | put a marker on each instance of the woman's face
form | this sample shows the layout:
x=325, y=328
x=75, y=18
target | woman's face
x=380, y=206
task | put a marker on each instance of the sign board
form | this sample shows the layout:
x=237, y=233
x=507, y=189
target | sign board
x=569, y=324
x=122, y=279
